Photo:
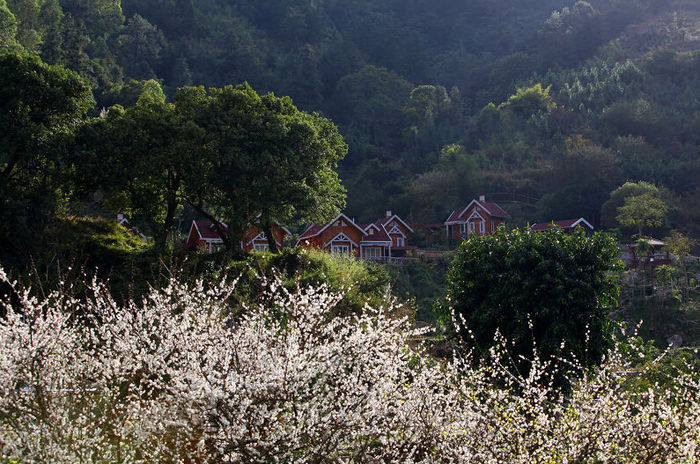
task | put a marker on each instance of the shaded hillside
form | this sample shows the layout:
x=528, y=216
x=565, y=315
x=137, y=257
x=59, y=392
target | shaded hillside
x=410, y=83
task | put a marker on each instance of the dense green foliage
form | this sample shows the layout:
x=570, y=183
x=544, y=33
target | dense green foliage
x=40, y=105
x=557, y=102
x=550, y=290
x=259, y=155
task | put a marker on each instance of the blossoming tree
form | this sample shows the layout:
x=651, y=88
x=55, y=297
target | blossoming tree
x=174, y=379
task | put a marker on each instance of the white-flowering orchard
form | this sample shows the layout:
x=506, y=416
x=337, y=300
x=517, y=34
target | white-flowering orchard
x=172, y=379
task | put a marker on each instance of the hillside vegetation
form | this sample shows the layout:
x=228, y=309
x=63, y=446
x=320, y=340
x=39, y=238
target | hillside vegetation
x=559, y=101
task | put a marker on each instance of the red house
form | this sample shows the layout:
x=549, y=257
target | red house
x=480, y=217
x=341, y=235
x=204, y=236
x=381, y=240
x=567, y=225
x=254, y=238
x=398, y=230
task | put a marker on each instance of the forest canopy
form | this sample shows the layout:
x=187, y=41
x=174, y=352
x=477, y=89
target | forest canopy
x=513, y=83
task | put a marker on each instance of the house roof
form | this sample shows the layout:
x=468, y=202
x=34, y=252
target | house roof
x=652, y=242
x=310, y=231
x=564, y=224
x=493, y=209
x=490, y=207
x=454, y=217
x=386, y=219
x=256, y=222
x=379, y=236
x=315, y=229
x=206, y=229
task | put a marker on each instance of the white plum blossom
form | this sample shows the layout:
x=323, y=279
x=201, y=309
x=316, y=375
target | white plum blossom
x=177, y=378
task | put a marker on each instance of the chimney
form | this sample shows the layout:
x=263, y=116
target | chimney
x=482, y=197
x=388, y=213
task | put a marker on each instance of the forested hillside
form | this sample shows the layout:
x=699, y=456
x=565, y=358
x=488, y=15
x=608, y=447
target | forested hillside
x=557, y=101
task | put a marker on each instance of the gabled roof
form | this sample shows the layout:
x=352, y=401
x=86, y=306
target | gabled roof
x=380, y=236
x=310, y=231
x=492, y=208
x=454, y=217
x=206, y=230
x=261, y=236
x=341, y=237
x=315, y=229
x=564, y=224
x=387, y=219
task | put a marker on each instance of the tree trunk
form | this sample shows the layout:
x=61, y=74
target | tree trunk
x=161, y=237
x=266, y=225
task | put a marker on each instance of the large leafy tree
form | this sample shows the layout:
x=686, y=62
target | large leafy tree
x=139, y=156
x=635, y=206
x=551, y=289
x=640, y=211
x=40, y=105
x=261, y=156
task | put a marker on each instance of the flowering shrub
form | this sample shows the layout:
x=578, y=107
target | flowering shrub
x=172, y=379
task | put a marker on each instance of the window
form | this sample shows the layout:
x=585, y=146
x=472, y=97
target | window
x=461, y=228
x=493, y=227
x=482, y=227
x=340, y=249
x=399, y=241
x=371, y=231
x=373, y=252
x=472, y=227
x=261, y=247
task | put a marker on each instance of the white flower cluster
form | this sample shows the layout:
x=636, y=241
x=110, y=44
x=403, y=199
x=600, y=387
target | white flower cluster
x=173, y=380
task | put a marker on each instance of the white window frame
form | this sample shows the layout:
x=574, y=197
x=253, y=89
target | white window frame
x=340, y=249
x=261, y=246
x=482, y=227
x=373, y=252
x=399, y=242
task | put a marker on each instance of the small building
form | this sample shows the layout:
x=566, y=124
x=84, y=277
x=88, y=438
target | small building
x=254, y=238
x=376, y=244
x=654, y=255
x=480, y=217
x=124, y=222
x=341, y=236
x=204, y=236
x=567, y=225
x=384, y=240
x=398, y=230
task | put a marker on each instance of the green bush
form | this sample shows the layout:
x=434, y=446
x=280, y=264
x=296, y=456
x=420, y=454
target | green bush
x=551, y=289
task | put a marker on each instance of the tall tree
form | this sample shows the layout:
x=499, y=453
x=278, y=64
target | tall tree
x=8, y=27
x=635, y=206
x=640, y=211
x=263, y=156
x=40, y=105
x=141, y=158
